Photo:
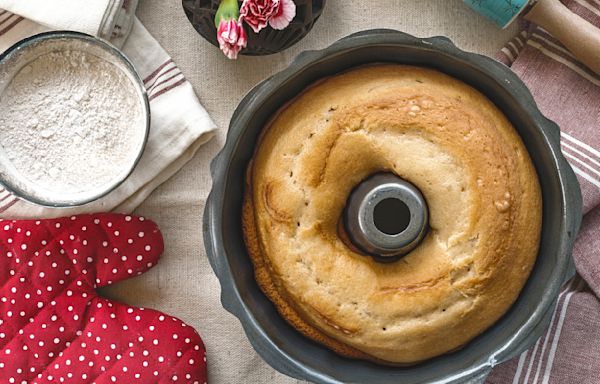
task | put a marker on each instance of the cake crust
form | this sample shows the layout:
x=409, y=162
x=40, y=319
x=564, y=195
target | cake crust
x=433, y=131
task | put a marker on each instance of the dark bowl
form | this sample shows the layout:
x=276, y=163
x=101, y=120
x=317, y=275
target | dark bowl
x=201, y=13
x=281, y=345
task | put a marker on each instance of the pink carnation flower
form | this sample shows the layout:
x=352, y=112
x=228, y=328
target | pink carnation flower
x=257, y=13
x=231, y=37
x=285, y=13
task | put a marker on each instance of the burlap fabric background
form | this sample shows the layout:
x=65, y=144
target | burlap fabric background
x=183, y=283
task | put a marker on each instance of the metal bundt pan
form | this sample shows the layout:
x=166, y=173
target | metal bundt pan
x=287, y=350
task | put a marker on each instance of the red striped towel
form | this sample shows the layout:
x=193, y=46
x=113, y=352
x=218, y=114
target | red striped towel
x=568, y=93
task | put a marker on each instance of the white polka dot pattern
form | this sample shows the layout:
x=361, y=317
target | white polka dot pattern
x=54, y=328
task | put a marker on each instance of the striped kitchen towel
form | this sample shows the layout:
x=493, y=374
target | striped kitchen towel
x=180, y=125
x=109, y=19
x=568, y=93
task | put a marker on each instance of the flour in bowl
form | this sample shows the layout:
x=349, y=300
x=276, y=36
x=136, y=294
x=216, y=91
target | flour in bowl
x=70, y=122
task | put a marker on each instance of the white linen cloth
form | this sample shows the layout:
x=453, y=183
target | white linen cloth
x=179, y=123
x=109, y=19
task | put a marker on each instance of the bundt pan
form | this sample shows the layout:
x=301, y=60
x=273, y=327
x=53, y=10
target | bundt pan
x=281, y=345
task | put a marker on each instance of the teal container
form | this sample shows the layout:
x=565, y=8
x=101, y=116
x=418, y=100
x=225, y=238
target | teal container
x=501, y=12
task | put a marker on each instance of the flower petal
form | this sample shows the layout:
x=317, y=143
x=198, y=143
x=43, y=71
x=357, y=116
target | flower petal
x=231, y=37
x=257, y=13
x=285, y=14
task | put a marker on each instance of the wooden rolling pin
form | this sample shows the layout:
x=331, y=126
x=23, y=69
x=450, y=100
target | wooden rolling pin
x=578, y=35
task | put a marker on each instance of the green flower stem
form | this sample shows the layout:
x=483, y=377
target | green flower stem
x=228, y=9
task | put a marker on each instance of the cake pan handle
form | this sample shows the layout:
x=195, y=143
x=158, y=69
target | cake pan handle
x=573, y=203
x=573, y=215
x=308, y=56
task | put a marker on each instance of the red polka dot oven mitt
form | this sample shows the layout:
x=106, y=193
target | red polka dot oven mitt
x=54, y=328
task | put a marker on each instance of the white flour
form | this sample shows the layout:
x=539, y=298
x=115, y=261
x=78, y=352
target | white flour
x=69, y=122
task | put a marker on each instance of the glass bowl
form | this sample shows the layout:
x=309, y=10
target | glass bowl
x=27, y=50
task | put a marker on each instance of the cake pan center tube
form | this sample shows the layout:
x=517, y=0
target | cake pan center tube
x=386, y=217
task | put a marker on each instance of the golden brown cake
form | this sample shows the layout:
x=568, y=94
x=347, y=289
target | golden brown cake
x=444, y=137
